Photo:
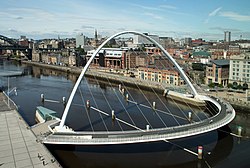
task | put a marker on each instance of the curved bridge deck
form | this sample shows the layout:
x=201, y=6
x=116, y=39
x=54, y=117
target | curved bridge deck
x=222, y=118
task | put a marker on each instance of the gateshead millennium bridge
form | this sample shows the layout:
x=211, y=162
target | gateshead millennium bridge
x=60, y=133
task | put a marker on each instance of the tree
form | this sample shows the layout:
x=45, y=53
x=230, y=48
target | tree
x=211, y=85
x=235, y=85
x=198, y=66
x=230, y=85
x=239, y=86
x=81, y=51
x=245, y=86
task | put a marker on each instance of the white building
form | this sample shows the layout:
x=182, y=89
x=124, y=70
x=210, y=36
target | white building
x=139, y=40
x=80, y=40
x=240, y=69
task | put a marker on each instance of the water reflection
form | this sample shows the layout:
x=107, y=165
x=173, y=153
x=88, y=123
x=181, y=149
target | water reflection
x=220, y=149
x=154, y=154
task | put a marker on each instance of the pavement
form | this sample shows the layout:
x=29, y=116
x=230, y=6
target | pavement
x=19, y=147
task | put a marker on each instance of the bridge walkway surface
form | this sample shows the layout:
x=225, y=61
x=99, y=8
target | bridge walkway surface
x=18, y=145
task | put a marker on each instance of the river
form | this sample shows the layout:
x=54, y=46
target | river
x=220, y=148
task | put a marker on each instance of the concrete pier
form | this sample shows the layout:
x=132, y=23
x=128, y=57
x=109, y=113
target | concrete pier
x=18, y=145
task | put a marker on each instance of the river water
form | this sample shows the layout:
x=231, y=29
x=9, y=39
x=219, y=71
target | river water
x=220, y=148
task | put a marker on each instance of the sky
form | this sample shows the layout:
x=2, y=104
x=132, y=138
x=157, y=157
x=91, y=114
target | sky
x=207, y=19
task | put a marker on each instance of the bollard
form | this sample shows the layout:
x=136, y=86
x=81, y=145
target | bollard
x=120, y=87
x=200, y=150
x=88, y=104
x=239, y=130
x=42, y=98
x=154, y=105
x=64, y=100
x=165, y=92
x=147, y=127
x=123, y=91
x=190, y=116
x=126, y=97
x=113, y=115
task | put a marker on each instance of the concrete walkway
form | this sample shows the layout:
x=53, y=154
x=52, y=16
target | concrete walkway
x=18, y=145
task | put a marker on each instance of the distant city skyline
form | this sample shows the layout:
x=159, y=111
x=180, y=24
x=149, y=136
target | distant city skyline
x=173, y=18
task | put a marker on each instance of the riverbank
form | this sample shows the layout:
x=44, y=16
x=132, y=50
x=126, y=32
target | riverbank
x=237, y=100
x=128, y=81
x=18, y=145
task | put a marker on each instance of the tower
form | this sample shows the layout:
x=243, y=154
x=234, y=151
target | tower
x=96, y=35
x=227, y=36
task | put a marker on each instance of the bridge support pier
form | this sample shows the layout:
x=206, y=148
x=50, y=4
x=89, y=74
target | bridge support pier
x=88, y=104
x=200, y=151
x=239, y=130
x=113, y=115
x=42, y=98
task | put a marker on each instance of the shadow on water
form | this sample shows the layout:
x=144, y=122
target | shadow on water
x=152, y=154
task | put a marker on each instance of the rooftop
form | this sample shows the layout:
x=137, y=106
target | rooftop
x=221, y=62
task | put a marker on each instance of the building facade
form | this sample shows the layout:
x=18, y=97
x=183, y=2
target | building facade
x=109, y=58
x=217, y=72
x=240, y=69
x=166, y=76
x=80, y=40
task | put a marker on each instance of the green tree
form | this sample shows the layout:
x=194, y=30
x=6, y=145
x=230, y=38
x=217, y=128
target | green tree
x=211, y=85
x=230, y=85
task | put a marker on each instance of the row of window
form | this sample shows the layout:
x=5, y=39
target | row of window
x=164, y=81
x=114, y=54
x=244, y=70
x=246, y=79
x=237, y=74
x=244, y=66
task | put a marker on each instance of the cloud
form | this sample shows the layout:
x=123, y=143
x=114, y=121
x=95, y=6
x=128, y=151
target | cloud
x=167, y=6
x=34, y=13
x=12, y=30
x=214, y=12
x=19, y=18
x=224, y=29
x=235, y=16
x=211, y=14
x=153, y=15
x=87, y=27
x=146, y=7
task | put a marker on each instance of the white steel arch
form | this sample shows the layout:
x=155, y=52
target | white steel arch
x=62, y=127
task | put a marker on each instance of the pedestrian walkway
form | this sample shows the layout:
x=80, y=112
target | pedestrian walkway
x=18, y=145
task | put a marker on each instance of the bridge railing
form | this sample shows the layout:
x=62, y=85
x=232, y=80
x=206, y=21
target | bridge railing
x=209, y=124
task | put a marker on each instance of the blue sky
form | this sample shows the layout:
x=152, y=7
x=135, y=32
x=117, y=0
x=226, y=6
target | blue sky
x=206, y=19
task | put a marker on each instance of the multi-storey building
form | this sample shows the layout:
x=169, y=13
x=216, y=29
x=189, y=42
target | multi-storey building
x=80, y=40
x=217, y=72
x=108, y=57
x=240, y=69
x=139, y=40
x=166, y=76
